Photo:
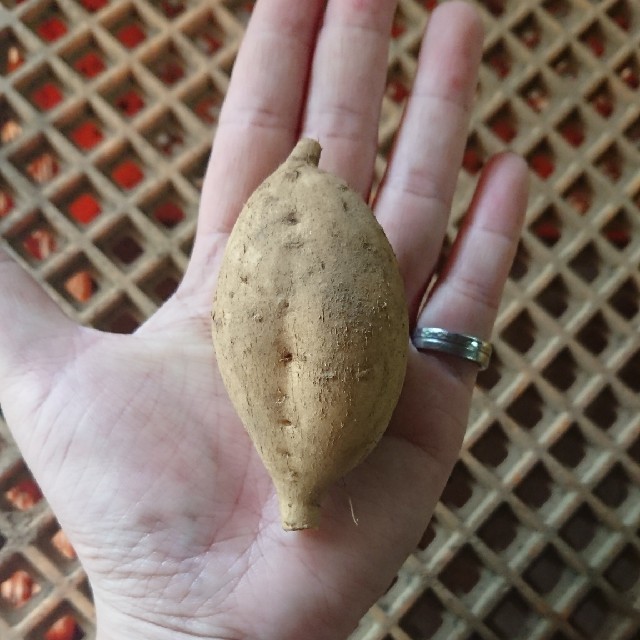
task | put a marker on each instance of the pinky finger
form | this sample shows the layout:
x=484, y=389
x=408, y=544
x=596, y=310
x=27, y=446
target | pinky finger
x=468, y=293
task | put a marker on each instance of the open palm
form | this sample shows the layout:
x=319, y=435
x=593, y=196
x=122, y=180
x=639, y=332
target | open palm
x=133, y=438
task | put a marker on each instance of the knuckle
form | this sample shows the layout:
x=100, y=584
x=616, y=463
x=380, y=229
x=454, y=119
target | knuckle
x=478, y=291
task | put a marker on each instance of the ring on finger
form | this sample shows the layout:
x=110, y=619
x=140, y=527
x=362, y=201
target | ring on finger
x=461, y=345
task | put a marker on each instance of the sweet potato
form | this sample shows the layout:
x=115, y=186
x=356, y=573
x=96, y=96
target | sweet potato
x=310, y=330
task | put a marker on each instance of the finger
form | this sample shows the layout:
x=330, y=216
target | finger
x=468, y=293
x=346, y=87
x=415, y=198
x=33, y=329
x=261, y=113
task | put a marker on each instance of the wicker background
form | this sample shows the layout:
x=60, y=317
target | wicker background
x=105, y=112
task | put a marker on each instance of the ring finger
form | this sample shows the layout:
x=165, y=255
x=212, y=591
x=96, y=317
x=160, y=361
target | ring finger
x=468, y=292
x=415, y=198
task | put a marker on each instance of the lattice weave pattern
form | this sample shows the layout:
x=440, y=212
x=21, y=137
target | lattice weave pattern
x=106, y=108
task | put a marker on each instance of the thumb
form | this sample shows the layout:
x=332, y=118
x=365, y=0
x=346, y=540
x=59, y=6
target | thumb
x=32, y=327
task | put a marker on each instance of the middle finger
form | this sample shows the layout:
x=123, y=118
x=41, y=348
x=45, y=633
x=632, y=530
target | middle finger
x=346, y=87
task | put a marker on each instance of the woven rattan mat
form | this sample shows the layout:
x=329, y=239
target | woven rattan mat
x=106, y=111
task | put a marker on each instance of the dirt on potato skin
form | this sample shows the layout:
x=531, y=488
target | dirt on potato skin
x=310, y=329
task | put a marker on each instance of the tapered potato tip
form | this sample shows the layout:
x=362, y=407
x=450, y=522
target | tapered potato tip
x=297, y=514
x=307, y=151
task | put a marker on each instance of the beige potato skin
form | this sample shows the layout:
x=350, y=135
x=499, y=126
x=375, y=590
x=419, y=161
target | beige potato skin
x=310, y=330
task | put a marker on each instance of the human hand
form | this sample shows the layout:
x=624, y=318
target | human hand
x=133, y=439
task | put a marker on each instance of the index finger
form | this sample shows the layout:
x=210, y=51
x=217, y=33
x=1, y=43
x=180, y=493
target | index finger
x=261, y=114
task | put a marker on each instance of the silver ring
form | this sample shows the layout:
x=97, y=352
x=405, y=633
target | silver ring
x=455, y=344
